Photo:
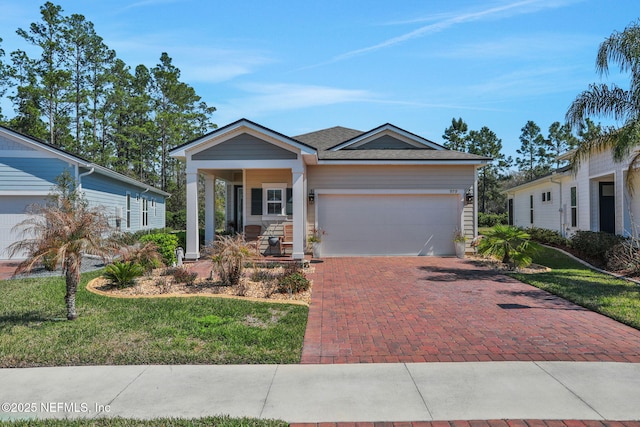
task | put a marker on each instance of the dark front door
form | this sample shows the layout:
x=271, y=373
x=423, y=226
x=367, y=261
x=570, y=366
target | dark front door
x=237, y=208
x=607, y=207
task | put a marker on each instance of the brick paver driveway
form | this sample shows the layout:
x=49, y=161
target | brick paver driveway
x=427, y=309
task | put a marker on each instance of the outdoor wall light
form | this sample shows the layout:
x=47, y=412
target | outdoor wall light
x=312, y=197
x=468, y=197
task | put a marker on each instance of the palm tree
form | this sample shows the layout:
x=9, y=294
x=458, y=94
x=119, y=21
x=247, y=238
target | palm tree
x=62, y=232
x=509, y=243
x=612, y=101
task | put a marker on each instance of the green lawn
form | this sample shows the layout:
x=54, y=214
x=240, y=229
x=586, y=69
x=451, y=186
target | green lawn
x=34, y=331
x=616, y=298
x=160, y=422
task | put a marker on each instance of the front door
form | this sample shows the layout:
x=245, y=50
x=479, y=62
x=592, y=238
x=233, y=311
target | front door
x=237, y=209
x=607, y=207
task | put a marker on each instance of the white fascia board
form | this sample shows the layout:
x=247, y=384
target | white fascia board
x=194, y=166
x=385, y=130
x=24, y=193
x=68, y=158
x=478, y=163
x=216, y=137
x=382, y=191
x=537, y=182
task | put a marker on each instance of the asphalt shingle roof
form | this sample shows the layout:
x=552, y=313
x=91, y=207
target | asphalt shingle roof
x=325, y=139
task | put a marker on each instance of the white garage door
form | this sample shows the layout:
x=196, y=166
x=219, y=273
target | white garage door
x=12, y=212
x=388, y=224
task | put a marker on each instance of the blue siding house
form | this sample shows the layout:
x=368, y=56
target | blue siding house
x=28, y=172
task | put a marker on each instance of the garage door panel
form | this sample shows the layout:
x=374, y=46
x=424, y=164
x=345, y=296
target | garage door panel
x=388, y=224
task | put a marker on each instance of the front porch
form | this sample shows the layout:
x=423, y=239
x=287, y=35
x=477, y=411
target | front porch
x=260, y=203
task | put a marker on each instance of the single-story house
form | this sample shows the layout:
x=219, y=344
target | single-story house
x=594, y=198
x=385, y=191
x=28, y=172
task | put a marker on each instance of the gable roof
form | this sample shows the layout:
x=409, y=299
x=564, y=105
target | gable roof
x=180, y=150
x=344, y=144
x=80, y=161
x=325, y=139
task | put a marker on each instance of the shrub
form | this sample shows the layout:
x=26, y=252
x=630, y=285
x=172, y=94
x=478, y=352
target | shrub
x=509, y=243
x=624, y=257
x=167, y=244
x=145, y=254
x=547, y=237
x=183, y=275
x=594, y=244
x=491, y=219
x=123, y=274
x=293, y=279
x=293, y=283
x=228, y=254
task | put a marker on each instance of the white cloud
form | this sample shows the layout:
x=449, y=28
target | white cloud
x=533, y=45
x=262, y=99
x=443, y=22
x=197, y=63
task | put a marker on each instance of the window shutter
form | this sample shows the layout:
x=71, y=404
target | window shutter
x=256, y=201
x=289, y=200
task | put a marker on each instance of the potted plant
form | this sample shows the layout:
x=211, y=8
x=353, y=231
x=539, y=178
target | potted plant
x=460, y=240
x=314, y=240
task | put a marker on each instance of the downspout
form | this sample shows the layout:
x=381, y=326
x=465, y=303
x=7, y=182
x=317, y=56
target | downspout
x=561, y=210
x=82, y=175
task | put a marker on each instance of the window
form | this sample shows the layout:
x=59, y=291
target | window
x=145, y=212
x=155, y=208
x=546, y=196
x=270, y=200
x=531, y=209
x=274, y=201
x=574, y=206
x=128, y=210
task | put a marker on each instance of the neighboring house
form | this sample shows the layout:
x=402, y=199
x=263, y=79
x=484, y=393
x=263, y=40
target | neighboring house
x=381, y=192
x=28, y=172
x=594, y=197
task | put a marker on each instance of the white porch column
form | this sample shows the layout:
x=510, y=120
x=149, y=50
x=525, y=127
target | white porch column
x=299, y=220
x=209, y=209
x=193, y=238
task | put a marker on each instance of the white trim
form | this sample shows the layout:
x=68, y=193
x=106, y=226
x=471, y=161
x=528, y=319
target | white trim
x=30, y=154
x=280, y=186
x=127, y=210
x=450, y=191
x=388, y=129
x=239, y=127
x=193, y=166
x=603, y=175
x=24, y=193
x=402, y=162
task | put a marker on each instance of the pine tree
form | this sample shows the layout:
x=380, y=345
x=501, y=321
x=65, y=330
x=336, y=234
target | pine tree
x=456, y=135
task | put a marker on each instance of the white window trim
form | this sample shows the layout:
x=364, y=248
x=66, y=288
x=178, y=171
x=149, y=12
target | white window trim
x=127, y=210
x=282, y=187
x=144, y=202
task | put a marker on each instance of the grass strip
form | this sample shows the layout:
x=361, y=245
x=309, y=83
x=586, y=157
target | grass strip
x=113, y=331
x=573, y=281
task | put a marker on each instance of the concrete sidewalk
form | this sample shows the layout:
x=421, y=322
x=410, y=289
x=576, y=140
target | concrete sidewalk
x=330, y=393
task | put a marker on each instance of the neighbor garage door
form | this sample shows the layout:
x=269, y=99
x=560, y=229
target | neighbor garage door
x=12, y=212
x=388, y=224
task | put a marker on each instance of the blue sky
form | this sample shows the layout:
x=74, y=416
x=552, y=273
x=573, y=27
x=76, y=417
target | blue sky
x=300, y=66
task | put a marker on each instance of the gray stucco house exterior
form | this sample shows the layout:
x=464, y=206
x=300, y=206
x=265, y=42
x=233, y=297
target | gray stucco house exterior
x=28, y=172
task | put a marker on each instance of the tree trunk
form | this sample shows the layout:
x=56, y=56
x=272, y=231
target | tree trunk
x=72, y=279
